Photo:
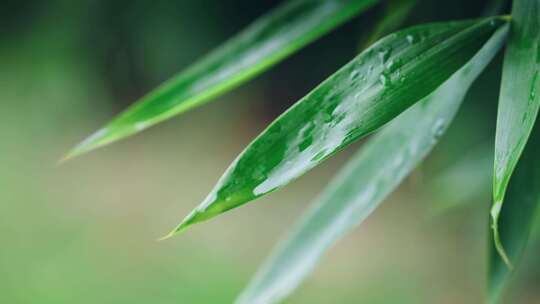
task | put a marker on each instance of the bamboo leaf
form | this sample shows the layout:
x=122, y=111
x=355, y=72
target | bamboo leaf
x=518, y=104
x=517, y=215
x=365, y=181
x=368, y=92
x=267, y=41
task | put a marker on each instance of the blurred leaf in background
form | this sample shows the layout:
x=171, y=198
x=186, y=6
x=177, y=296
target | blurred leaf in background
x=85, y=232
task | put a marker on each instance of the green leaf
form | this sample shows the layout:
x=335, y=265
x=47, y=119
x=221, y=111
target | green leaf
x=365, y=181
x=517, y=215
x=518, y=103
x=368, y=92
x=267, y=41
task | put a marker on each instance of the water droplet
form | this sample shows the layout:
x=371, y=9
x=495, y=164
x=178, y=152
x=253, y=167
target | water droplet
x=354, y=75
x=532, y=94
x=411, y=39
x=393, y=65
x=384, y=79
x=438, y=129
x=384, y=55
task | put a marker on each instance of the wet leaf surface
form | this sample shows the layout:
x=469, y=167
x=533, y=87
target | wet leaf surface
x=518, y=103
x=365, y=94
x=368, y=178
x=267, y=41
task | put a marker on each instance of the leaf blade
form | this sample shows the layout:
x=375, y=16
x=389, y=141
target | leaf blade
x=356, y=100
x=268, y=40
x=382, y=164
x=518, y=214
x=518, y=103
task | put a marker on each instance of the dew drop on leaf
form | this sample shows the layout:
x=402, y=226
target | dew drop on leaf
x=438, y=129
x=354, y=75
x=384, y=55
x=532, y=94
x=383, y=79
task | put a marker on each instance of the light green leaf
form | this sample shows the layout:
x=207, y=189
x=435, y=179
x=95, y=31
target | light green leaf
x=517, y=215
x=267, y=41
x=365, y=181
x=518, y=102
x=368, y=92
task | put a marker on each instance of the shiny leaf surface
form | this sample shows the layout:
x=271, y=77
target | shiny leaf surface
x=267, y=41
x=366, y=93
x=365, y=181
x=518, y=102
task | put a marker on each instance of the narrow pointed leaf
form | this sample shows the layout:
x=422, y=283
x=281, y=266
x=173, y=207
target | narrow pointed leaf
x=365, y=181
x=365, y=94
x=267, y=41
x=518, y=102
x=517, y=215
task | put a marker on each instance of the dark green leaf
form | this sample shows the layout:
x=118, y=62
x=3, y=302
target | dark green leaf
x=365, y=181
x=518, y=104
x=266, y=42
x=368, y=92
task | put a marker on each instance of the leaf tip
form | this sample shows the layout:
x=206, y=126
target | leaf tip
x=64, y=159
x=498, y=244
x=168, y=235
x=92, y=142
x=189, y=220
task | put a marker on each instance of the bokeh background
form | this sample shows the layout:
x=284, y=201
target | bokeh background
x=85, y=231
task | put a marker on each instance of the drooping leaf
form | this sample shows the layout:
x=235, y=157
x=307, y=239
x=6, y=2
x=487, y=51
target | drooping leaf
x=267, y=41
x=518, y=102
x=365, y=181
x=368, y=92
x=517, y=215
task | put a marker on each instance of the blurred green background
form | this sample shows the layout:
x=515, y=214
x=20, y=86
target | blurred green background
x=85, y=231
